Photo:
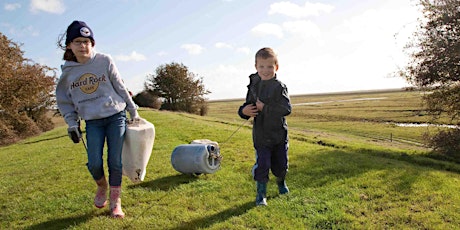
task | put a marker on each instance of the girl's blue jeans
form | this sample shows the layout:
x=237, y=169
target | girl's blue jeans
x=98, y=131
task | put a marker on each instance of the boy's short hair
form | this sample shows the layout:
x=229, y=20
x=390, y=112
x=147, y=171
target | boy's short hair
x=265, y=53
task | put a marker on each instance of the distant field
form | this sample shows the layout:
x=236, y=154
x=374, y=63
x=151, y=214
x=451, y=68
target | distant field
x=372, y=115
x=344, y=173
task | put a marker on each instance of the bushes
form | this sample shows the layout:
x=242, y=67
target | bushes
x=147, y=99
x=7, y=135
x=446, y=143
x=26, y=94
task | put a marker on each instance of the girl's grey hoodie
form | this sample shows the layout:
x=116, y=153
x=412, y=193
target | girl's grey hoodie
x=92, y=90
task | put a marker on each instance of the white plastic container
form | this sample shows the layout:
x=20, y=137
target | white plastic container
x=201, y=156
x=137, y=148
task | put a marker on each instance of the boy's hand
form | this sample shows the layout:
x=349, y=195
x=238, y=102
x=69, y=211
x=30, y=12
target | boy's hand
x=260, y=105
x=250, y=110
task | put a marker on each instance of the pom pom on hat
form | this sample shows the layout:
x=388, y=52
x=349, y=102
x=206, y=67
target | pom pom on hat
x=78, y=29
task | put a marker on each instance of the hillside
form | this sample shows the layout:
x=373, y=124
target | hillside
x=343, y=182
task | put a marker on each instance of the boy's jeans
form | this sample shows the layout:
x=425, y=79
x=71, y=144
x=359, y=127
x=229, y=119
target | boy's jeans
x=113, y=128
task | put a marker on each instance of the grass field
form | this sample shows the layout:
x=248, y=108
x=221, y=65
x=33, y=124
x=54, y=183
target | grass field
x=372, y=115
x=351, y=167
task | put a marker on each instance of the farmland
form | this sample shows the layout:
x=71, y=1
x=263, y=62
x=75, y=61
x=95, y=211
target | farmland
x=351, y=167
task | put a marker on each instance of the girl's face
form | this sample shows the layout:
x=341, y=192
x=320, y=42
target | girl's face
x=81, y=48
x=266, y=68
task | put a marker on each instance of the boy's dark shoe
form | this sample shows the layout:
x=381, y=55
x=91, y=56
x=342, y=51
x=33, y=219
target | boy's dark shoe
x=261, y=199
x=282, y=187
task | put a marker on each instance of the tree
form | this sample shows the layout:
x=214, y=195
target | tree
x=179, y=88
x=435, y=58
x=26, y=94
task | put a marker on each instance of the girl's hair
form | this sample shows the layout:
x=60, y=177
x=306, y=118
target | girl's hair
x=68, y=54
x=265, y=53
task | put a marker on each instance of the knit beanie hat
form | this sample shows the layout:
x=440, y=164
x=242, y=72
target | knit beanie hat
x=78, y=29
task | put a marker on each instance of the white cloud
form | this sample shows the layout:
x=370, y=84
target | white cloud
x=135, y=83
x=377, y=24
x=49, y=6
x=361, y=52
x=25, y=31
x=193, y=49
x=162, y=53
x=223, y=45
x=268, y=29
x=134, y=56
x=296, y=11
x=216, y=79
x=12, y=6
x=302, y=28
x=244, y=50
x=364, y=26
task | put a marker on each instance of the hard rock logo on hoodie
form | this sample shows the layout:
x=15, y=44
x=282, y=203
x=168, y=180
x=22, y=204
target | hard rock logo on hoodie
x=88, y=83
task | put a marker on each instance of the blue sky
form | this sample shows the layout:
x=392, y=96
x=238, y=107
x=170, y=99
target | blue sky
x=323, y=45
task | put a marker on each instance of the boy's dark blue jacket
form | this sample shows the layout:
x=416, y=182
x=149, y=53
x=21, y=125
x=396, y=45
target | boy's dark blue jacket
x=270, y=126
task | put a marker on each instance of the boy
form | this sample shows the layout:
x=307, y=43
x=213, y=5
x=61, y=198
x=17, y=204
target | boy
x=267, y=100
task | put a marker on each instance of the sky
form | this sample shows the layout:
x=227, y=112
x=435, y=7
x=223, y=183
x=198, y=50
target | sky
x=322, y=45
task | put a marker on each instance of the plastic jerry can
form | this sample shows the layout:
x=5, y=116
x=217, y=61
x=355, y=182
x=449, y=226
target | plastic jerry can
x=201, y=156
x=137, y=148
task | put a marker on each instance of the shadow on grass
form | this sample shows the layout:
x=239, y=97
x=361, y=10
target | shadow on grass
x=64, y=223
x=352, y=179
x=431, y=159
x=208, y=221
x=166, y=183
x=42, y=140
x=325, y=167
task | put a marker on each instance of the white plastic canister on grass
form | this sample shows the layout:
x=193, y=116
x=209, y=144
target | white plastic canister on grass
x=137, y=148
x=200, y=156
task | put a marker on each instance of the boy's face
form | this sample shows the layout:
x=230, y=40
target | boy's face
x=266, y=68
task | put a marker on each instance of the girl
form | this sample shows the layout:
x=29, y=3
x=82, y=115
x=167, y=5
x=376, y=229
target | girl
x=91, y=87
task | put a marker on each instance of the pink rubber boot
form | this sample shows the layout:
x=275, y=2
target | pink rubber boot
x=100, y=200
x=115, y=202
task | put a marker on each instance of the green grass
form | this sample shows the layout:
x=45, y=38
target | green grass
x=338, y=179
x=349, y=114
